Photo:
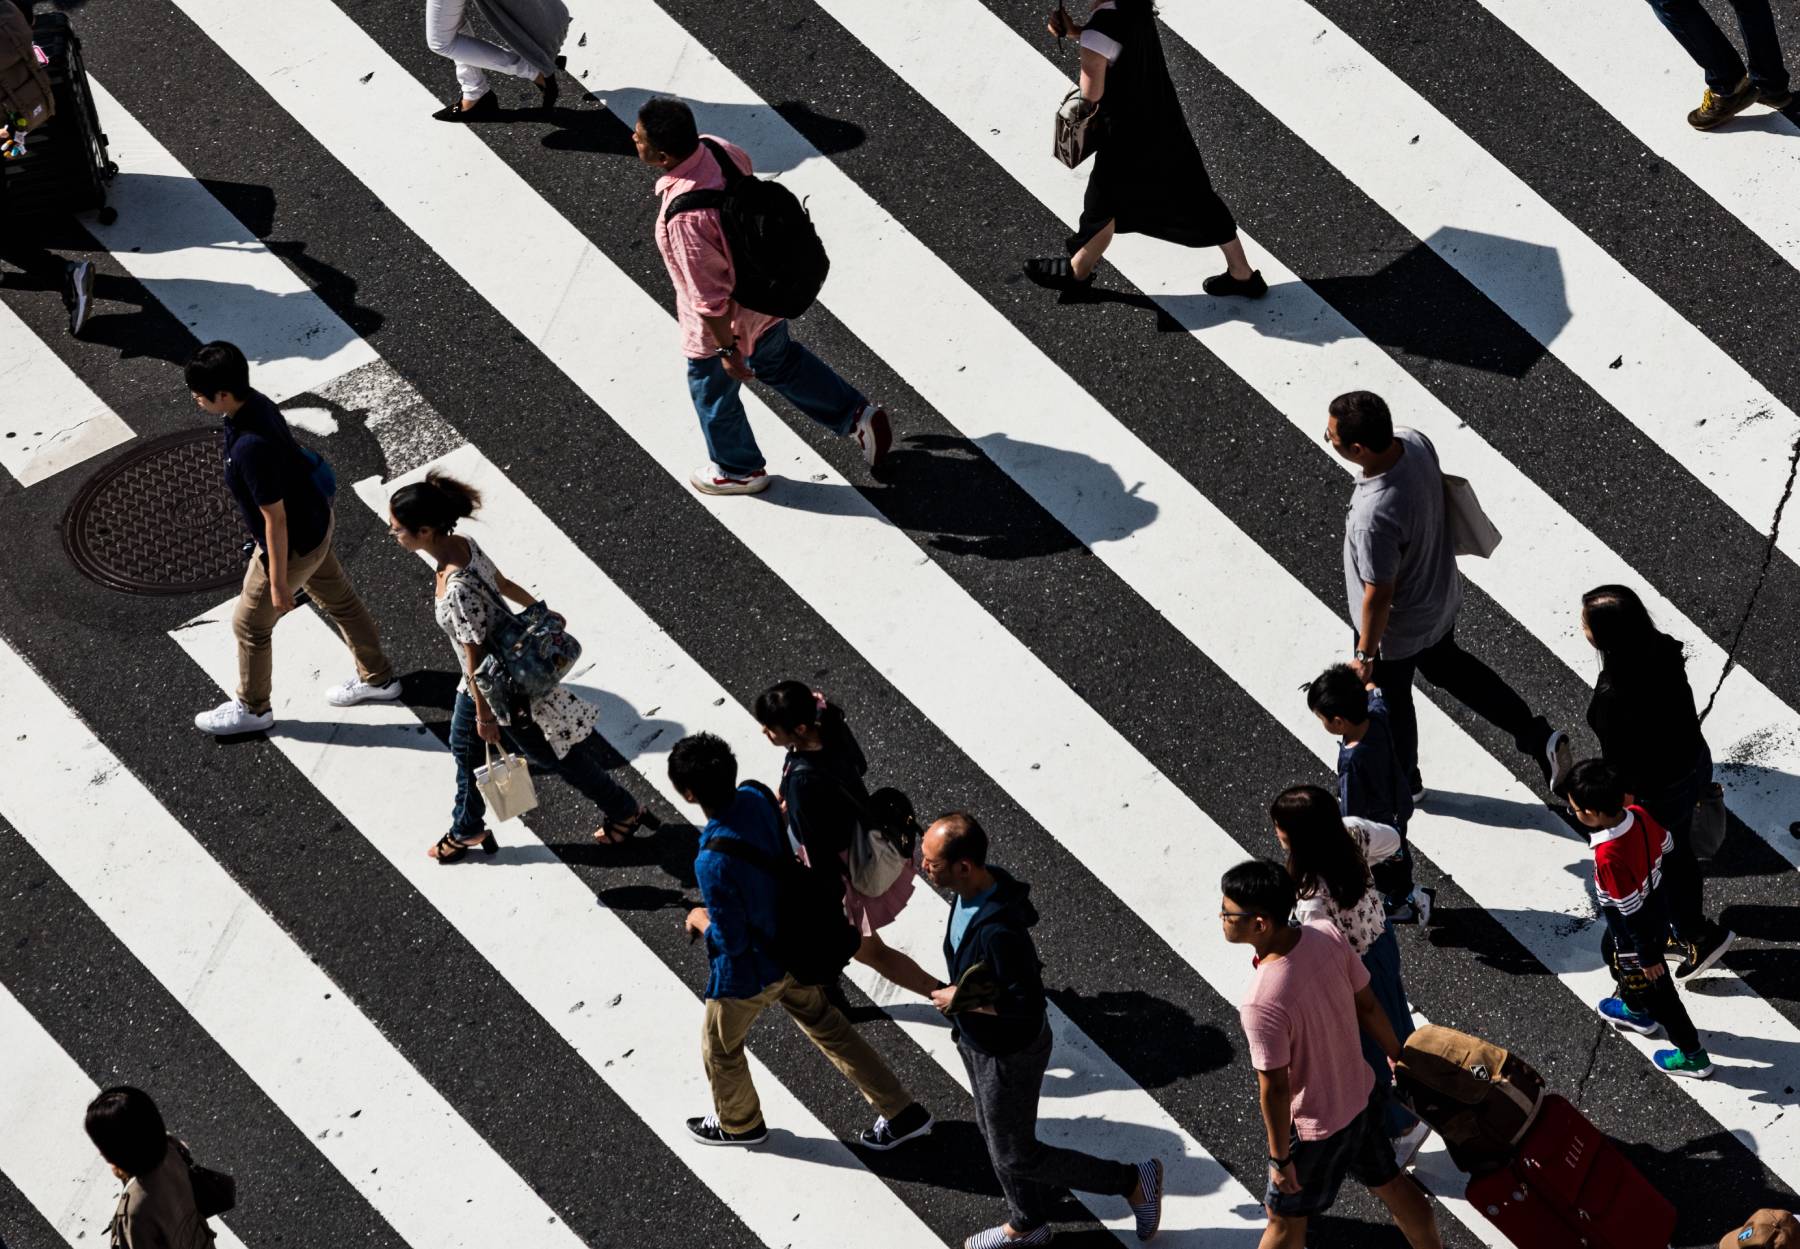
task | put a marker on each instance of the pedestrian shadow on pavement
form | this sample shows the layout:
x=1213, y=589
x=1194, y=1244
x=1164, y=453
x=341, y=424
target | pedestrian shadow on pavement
x=955, y=496
x=1155, y=1041
x=603, y=125
x=1713, y=1165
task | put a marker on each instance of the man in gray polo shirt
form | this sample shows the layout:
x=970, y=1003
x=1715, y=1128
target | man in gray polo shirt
x=1404, y=591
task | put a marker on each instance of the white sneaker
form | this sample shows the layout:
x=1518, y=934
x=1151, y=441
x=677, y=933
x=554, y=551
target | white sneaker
x=231, y=716
x=1408, y=1142
x=1421, y=899
x=80, y=295
x=711, y=479
x=356, y=690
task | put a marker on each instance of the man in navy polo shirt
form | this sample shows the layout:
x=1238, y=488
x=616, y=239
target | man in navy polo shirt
x=290, y=520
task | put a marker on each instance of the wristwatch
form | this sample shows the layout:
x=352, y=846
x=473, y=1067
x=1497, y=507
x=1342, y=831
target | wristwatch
x=1363, y=656
x=1279, y=1163
x=726, y=352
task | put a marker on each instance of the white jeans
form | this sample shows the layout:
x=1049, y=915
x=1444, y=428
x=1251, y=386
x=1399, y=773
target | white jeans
x=446, y=33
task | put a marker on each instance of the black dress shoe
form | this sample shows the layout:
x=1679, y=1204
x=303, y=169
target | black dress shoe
x=549, y=89
x=1056, y=273
x=1223, y=284
x=486, y=106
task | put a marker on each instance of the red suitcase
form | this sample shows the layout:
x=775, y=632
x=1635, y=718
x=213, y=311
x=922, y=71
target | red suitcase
x=1568, y=1187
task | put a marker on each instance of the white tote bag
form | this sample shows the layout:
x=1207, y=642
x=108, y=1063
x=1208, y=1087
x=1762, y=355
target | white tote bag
x=1471, y=532
x=506, y=786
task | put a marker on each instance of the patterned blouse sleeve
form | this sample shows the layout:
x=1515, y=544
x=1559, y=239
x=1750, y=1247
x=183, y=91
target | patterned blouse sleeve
x=469, y=610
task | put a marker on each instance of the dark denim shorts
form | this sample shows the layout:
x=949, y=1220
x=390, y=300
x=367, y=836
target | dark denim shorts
x=1361, y=1149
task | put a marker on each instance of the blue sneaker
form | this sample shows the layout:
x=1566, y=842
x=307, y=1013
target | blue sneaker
x=1614, y=1011
x=1696, y=1066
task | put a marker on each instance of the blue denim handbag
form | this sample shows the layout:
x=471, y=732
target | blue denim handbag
x=528, y=652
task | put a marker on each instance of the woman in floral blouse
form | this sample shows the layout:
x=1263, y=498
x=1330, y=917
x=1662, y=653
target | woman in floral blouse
x=1329, y=857
x=556, y=733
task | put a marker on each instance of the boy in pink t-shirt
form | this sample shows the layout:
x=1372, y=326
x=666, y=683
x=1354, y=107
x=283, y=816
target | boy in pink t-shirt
x=1301, y=1018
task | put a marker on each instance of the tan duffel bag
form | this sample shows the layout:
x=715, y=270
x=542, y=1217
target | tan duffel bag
x=1479, y=1097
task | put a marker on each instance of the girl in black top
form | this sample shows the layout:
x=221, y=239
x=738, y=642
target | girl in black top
x=1148, y=176
x=821, y=793
x=1643, y=713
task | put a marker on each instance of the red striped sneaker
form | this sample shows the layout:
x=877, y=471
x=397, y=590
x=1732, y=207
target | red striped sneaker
x=711, y=479
x=874, y=433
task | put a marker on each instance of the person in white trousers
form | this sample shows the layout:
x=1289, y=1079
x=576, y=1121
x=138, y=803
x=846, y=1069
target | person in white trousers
x=447, y=34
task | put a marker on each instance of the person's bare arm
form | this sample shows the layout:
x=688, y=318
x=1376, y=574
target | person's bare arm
x=1374, y=1021
x=1275, y=1097
x=1378, y=601
x=1093, y=75
x=275, y=546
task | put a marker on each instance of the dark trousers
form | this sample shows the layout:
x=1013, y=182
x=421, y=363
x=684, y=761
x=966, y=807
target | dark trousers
x=1030, y=1172
x=1682, y=886
x=1469, y=681
x=584, y=767
x=1694, y=28
x=1657, y=998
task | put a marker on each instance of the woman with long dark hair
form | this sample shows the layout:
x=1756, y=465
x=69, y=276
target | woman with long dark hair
x=1329, y=858
x=1643, y=713
x=824, y=800
x=1148, y=176
x=556, y=732
x=157, y=1207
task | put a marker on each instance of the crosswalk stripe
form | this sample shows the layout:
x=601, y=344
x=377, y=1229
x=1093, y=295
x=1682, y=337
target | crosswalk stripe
x=1489, y=225
x=1620, y=55
x=207, y=268
x=245, y=981
x=644, y=667
x=50, y=419
x=946, y=658
x=44, y=1151
x=629, y=1017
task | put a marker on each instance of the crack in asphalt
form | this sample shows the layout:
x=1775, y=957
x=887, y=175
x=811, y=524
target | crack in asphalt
x=1600, y=1034
x=1762, y=575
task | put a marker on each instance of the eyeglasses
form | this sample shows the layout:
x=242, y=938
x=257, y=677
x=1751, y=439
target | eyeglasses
x=1240, y=914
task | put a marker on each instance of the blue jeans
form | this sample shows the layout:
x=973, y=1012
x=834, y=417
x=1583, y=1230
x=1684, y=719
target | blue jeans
x=1383, y=963
x=584, y=767
x=1695, y=30
x=795, y=373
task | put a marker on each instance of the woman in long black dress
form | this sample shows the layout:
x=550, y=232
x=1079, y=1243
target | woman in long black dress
x=1148, y=176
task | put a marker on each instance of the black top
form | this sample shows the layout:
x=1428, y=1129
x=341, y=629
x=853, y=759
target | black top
x=1643, y=713
x=820, y=814
x=999, y=936
x=264, y=465
x=1148, y=176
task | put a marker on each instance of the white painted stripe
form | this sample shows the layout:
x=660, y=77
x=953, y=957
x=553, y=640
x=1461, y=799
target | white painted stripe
x=44, y=1150
x=210, y=272
x=50, y=419
x=1620, y=55
x=893, y=603
x=631, y=1018
x=282, y=1020
x=1097, y=1107
x=1673, y=383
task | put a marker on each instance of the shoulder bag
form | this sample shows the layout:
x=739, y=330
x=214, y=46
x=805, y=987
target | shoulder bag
x=529, y=652
x=884, y=839
x=1471, y=532
x=1078, y=129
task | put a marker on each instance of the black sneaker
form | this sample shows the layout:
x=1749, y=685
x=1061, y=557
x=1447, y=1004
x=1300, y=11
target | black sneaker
x=1698, y=956
x=1057, y=273
x=1777, y=100
x=1716, y=109
x=486, y=107
x=914, y=1121
x=707, y=1131
x=1222, y=285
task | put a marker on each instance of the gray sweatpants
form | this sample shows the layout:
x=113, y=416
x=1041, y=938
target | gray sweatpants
x=1031, y=1173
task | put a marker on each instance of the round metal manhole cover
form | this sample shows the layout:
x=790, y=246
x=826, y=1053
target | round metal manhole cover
x=159, y=520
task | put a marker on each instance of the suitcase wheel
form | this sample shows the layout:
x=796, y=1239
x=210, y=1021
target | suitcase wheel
x=106, y=216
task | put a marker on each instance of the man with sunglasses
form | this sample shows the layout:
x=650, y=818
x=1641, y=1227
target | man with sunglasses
x=1322, y=1112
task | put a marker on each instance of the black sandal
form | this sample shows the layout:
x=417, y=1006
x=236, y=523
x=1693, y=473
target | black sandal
x=449, y=849
x=1057, y=273
x=487, y=106
x=618, y=832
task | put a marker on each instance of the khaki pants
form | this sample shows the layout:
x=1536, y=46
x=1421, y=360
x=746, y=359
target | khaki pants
x=254, y=621
x=728, y=1020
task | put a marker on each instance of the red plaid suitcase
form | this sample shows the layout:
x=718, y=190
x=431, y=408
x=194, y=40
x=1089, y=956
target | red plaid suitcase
x=1568, y=1187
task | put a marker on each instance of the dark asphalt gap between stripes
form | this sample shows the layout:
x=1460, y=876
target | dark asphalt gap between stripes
x=21, y=1226
x=657, y=276
x=122, y=1026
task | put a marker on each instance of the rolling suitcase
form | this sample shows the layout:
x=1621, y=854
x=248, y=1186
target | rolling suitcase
x=1568, y=1187
x=65, y=168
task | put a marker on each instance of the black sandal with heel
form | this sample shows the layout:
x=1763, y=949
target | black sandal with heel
x=448, y=849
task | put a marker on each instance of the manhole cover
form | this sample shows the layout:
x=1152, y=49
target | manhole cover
x=159, y=520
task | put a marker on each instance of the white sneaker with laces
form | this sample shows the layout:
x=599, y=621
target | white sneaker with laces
x=711, y=479
x=356, y=690
x=874, y=433
x=231, y=716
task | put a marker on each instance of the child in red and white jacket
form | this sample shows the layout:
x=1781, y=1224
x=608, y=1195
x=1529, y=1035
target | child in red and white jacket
x=1628, y=848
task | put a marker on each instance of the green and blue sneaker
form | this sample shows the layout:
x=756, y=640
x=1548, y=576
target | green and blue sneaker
x=1614, y=1011
x=1695, y=1066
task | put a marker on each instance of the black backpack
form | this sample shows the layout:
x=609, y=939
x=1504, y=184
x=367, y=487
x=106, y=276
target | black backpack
x=779, y=261
x=812, y=941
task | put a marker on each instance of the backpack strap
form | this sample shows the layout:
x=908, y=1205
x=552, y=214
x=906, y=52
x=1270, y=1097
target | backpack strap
x=694, y=201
